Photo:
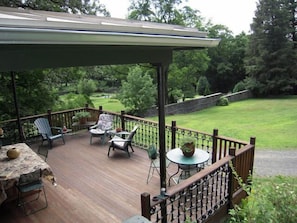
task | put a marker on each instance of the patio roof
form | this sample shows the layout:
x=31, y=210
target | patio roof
x=32, y=39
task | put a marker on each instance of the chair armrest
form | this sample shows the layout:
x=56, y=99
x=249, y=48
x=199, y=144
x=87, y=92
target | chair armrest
x=57, y=128
x=94, y=126
x=119, y=139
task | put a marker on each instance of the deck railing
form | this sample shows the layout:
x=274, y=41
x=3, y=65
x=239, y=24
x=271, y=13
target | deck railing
x=205, y=196
x=147, y=133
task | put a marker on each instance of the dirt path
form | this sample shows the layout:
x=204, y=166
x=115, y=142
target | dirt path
x=274, y=162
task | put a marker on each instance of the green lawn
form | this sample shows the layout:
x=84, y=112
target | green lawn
x=272, y=121
x=108, y=102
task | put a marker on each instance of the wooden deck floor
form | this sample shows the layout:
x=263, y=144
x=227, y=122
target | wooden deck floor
x=91, y=187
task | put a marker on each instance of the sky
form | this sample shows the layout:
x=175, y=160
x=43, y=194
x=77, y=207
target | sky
x=237, y=15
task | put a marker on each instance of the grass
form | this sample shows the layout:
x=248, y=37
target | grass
x=272, y=121
x=108, y=102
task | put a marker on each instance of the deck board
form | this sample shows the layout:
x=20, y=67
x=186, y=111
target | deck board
x=90, y=186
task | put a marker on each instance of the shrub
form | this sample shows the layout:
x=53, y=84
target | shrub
x=203, y=86
x=240, y=86
x=223, y=101
x=82, y=114
x=86, y=87
x=271, y=200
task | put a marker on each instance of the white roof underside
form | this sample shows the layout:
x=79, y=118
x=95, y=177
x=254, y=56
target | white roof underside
x=19, y=26
x=32, y=39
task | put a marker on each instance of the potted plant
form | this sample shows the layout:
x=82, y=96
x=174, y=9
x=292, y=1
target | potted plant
x=188, y=146
x=81, y=117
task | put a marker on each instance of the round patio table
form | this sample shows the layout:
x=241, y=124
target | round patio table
x=186, y=163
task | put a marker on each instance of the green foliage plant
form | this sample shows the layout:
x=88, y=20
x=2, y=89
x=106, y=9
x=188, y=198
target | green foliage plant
x=240, y=86
x=71, y=101
x=203, y=86
x=223, y=101
x=272, y=199
x=138, y=93
x=82, y=114
x=185, y=141
x=86, y=87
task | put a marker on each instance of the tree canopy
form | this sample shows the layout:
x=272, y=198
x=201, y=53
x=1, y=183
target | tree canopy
x=138, y=93
x=272, y=53
x=74, y=6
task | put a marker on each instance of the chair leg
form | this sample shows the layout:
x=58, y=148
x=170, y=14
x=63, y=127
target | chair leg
x=91, y=139
x=23, y=203
x=109, y=150
x=50, y=145
x=148, y=176
x=132, y=148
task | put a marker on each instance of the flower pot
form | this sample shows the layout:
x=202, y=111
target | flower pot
x=82, y=121
x=188, y=149
x=13, y=153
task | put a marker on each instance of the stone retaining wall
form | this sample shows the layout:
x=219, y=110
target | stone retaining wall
x=199, y=103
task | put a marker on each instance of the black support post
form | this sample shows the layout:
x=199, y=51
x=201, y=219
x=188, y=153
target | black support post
x=161, y=70
x=17, y=110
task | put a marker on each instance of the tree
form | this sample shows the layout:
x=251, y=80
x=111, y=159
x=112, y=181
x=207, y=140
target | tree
x=226, y=67
x=86, y=87
x=138, y=93
x=271, y=58
x=187, y=66
x=74, y=6
x=34, y=94
x=37, y=90
x=203, y=86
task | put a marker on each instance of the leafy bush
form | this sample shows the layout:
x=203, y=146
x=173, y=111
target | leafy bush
x=271, y=200
x=79, y=115
x=223, y=101
x=86, y=87
x=240, y=86
x=138, y=93
x=203, y=86
x=71, y=100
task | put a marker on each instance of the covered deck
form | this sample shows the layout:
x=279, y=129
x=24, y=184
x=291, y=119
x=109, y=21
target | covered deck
x=90, y=186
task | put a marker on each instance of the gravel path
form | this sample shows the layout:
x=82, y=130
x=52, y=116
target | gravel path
x=274, y=162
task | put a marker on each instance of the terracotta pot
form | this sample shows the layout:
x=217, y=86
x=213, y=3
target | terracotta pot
x=82, y=121
x=13, y=153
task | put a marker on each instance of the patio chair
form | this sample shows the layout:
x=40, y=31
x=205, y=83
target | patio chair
x=102, y=127
x=45, y=130
x=155, y=162
x=122, y=144
x=28, y=185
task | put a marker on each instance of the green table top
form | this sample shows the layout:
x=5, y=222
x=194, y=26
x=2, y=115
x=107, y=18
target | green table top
x=176, y=156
